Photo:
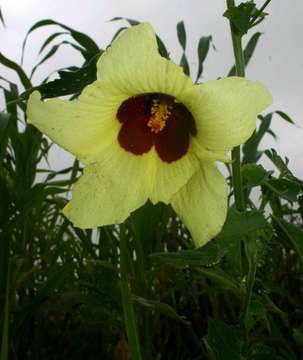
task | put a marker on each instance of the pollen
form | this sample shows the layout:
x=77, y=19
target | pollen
x=159, y=114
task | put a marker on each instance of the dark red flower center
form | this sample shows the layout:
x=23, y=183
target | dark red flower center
x=155, y=120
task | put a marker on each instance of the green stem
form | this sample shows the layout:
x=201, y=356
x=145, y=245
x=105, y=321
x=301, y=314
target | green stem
x=236, y=154
x=262, y=8
x=127, y=302
x=252, y=268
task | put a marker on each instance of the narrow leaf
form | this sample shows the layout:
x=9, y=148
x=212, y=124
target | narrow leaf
x=203, y=48
x=181, y=34
x=284, y=116
x=208, y=255
x=14, y=66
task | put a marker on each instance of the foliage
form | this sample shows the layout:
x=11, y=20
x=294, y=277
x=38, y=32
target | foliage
x=239, y=297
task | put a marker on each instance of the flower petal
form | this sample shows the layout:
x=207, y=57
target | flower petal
x=225, y=111
x=110, y=189
x=202, y=203
x=169, y=178
x=135, y=136
x=84, y=126
x=173, y=142
x=134, y=66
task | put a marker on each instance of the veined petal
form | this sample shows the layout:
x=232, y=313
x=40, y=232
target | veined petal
x=109, y=190
x=169, y=178
x=225, y=111
x=202, y=203
x=134, y=65
x=84, y=126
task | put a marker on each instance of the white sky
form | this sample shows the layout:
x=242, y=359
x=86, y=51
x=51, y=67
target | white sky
x=277, y=62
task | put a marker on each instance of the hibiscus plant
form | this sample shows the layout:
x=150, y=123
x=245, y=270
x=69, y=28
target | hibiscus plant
x=143, y=248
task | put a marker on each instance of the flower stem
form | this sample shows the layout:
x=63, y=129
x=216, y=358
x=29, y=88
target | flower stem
x=127, y=302
x=236, y=154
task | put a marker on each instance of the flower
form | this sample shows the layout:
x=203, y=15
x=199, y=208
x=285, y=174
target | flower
x=144, y=131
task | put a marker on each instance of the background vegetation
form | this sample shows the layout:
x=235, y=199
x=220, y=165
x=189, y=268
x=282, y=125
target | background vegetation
x=238, y=297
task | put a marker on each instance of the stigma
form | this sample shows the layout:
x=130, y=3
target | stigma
x=159, y=114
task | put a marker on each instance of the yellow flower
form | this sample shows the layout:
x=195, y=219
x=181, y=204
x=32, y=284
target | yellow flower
x=144, y=131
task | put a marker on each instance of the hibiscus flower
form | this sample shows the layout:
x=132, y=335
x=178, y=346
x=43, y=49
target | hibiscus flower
x=144, y=131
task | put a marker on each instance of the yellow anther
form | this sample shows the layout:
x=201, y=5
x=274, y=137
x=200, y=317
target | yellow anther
x=160, y=112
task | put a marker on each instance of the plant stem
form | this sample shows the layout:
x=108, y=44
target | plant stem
x=236, y=154
x=252, y=268
x=127, y=302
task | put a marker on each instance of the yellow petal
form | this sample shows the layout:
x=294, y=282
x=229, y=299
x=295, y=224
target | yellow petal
x=202, y=203
x=110, y=189
x=133, y=65
x=226, y=110
x=84, y=126
x=170, y=177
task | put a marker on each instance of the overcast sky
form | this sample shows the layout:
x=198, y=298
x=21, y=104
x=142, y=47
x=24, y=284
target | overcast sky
x=278, y=60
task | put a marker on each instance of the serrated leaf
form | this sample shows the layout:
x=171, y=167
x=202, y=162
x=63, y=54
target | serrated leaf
x=240, y=16
x=181, y=34
x=208, y=255
x=278, y=162
x=240, y=224
x=254, y=175
x=287, y=189
x=203, y=48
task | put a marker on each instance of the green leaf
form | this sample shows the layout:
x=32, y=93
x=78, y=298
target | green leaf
x=20, y=72
x=254, y=175
x=208, y=255
x=250, y=148
x=240, y=224
x=52, y=51
x=161, y=308
x=184, y=64
x=70, y=82
x=222, y=279
x=181, y=34
x=51, y=38
x=284, y=116
x=240, y=16
x=2, y=18
x=248, y=51
x=85, y=41
x=287, y=189
x=278, y=162
x=162, y=49
x=130, y=21
x=294, y=235
x=203, y=48
x=224, y=340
